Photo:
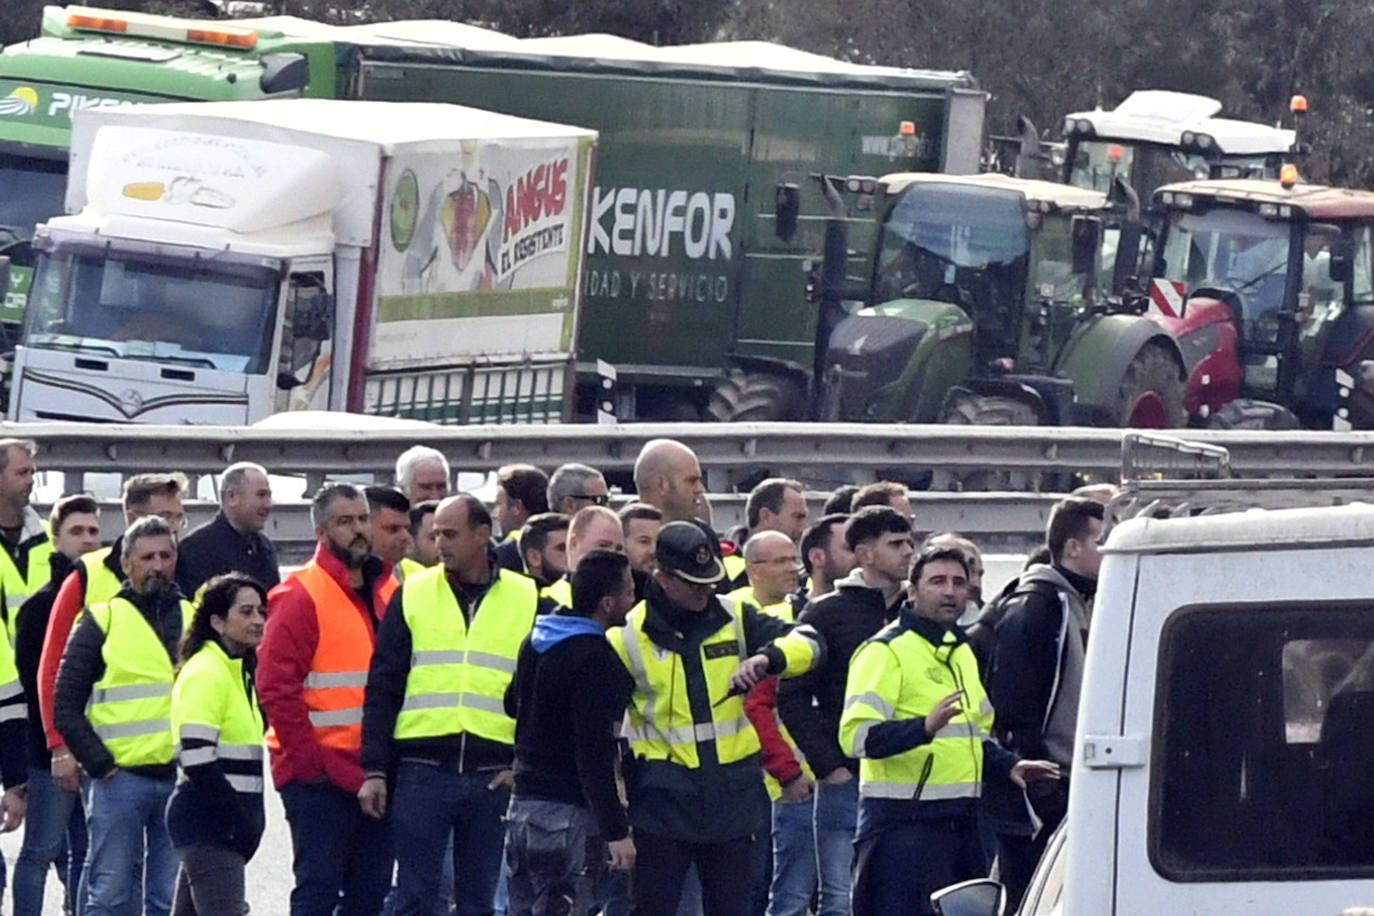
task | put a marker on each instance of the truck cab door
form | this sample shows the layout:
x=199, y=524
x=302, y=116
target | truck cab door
x=306, y=355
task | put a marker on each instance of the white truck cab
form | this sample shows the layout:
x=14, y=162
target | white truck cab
x=1224, y=760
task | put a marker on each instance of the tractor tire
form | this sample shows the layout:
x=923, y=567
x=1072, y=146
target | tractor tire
x=990, y=410
x=1247, y=413
x=1151, y=392
x=755, y=397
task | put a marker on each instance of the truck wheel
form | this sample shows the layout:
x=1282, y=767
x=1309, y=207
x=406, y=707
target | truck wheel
x=755, y=397
x=989, y=410
x=1151, y=392
x=1247, y=413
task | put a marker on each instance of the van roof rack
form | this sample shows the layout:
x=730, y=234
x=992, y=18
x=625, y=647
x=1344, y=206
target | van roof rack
x=1168, y=477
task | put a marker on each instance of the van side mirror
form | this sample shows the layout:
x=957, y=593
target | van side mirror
x=1342, y=263
x=979, y=897
x=1087, y=240
x=786, y=209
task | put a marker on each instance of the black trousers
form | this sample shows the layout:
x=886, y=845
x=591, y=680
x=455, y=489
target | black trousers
x=661, y=864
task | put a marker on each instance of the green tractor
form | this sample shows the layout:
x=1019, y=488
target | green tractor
x=989, y=300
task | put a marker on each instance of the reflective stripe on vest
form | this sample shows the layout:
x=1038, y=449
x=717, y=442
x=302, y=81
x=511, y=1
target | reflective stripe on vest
x=949, y=765
x=215, y=718
x=662, y=726
x=131, y=705
x=333, y=688
x=459, y=674
x=11, y=689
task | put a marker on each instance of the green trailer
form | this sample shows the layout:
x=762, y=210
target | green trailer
x=93, y=58
x=699, y=240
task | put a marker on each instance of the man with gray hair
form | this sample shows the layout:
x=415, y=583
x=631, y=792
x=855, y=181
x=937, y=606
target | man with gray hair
x=573, y=487
x=422, y=473
x=113, y=706
x=668, y=477
x=24, y=560
x=232, y=541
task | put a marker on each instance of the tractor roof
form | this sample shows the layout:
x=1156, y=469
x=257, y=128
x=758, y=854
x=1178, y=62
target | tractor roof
x=1315, y=200
x=1158, y=116
x=1062, y=196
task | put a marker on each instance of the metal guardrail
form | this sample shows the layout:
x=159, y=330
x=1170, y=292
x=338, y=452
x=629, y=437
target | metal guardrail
x=996, y=520
x=727, y=452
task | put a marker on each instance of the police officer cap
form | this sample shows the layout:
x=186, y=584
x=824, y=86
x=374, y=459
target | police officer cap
x=690, y=551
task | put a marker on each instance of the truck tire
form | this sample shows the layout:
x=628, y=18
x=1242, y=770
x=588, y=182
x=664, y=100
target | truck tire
x=1151, y=392
x=987, y=410
x=755, y=397
x=1247, y=413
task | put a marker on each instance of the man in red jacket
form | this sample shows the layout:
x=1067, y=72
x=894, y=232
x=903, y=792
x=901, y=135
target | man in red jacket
x=312, y=669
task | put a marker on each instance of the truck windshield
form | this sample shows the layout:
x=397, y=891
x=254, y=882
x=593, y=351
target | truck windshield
x=1235, y=251
x=33, y=192
x=1148, y=166
x=219, y=315
x=957, y=243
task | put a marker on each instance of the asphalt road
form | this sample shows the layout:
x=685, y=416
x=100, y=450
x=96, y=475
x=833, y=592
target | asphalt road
x=269, y=874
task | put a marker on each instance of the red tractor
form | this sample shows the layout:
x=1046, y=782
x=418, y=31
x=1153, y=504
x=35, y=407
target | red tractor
x=1268, y=287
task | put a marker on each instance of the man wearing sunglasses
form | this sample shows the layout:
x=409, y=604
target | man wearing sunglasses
x=573, y=487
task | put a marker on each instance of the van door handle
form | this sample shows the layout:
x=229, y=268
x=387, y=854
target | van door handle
x=1109, y=752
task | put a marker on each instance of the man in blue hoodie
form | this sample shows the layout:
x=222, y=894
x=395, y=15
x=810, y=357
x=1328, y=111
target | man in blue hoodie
x=568, y=697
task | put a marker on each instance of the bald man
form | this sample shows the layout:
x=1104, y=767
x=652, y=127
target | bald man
x=668, y=477
x=592, y=528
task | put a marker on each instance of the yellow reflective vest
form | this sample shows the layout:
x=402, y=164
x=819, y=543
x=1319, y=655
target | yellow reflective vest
x=131, y=705
x=670, y=726
x=11, y=690
x=216, y=717
x=101, y=582
x=18, y=583
x=559, y=592
x=899, y=674
x=459, y=674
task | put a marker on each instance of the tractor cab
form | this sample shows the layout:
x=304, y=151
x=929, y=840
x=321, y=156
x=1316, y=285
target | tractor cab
x=1269, y=287
x=1155, y=137
x=979, y=286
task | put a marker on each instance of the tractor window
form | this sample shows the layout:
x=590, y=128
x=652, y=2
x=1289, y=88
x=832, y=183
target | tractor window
x=1053, y=275
x=1237, y=252
x=1263, y=767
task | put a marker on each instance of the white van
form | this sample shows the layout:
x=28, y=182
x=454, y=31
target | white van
x=1224, y=762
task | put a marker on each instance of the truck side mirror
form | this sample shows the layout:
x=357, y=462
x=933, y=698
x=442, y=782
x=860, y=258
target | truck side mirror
x=313, y=316
x=1127, y=257
x=979, y=897
x=1342, y=263
x=283, y=72
x=786, y=209
x=1087, y=240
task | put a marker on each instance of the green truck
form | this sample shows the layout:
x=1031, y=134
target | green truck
x=93, y=58
x=699, y=243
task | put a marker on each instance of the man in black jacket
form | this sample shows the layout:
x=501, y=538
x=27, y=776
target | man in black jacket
x=232, y=541
x=1037, y=670
x=55, y=822
x=810, y=705
x=131, y=766
x=568, y=697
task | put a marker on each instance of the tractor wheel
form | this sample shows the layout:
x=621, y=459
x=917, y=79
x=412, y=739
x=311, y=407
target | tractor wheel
x=1151, y=392
x=990, y=410
x=755, y=397
x=1247, y=413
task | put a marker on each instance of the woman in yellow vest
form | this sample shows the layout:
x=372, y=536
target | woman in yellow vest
x=215, y=816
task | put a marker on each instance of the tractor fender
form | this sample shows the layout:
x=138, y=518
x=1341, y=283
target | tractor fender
x=1097, y=355
x=1005, y=388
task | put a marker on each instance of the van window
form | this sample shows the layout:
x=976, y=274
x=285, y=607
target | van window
x=1263, y=760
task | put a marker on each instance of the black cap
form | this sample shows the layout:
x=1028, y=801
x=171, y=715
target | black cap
x=688, y=550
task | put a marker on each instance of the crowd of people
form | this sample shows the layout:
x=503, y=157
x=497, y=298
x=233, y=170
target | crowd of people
x=542, y=706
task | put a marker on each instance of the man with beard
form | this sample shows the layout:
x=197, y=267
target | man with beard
x=312, y=671
x=113, y=705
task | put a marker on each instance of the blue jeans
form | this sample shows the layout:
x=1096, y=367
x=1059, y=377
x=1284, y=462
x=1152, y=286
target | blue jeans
x=341, y=858
x=429, y=802
x=127, y=836
x=794, y=858
x=837, y=816
x=54, y=834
